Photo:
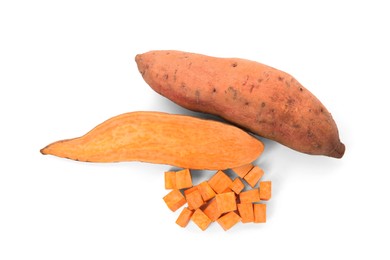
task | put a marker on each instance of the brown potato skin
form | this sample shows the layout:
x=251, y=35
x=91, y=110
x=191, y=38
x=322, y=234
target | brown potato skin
x=254, y=96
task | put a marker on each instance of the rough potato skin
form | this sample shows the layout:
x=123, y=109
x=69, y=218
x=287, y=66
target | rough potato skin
x=259, y=98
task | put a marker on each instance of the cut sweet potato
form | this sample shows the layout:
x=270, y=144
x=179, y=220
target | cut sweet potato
x=201, y=219
x=253, y=176
x=259, y=211
x=170, y=180
x=189, y=190
x=212, y=210
x=206, y=191
x=265, y=190
x=174, y=200
x=184, y=217
x=194, y=199
x=229, y=220
x=243, y=170
x=246, y=212
x=183, y=179
x=226, y=202
x=154, y=137
x=237, y=185
x=219, y=182
x=250, y=196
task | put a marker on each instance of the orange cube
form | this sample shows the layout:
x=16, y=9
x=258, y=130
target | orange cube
x=219, y=182
x=243, y=170
x=253, y=176
x=212, y=211
x=183, y=179
x=250, y=196
x=260, y=213
x=174, y=200
x=194, y=199
x=184, y=217
x=237, y=185
x=170, y=180
x=189, y=190
x=265, y=190
x=206, y=191
x=228, y=220
x=227, y=190
x=201, y=219
x=226, y=202
x=246, y=212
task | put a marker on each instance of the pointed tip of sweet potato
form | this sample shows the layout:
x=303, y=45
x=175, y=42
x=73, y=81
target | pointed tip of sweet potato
x=338, y=152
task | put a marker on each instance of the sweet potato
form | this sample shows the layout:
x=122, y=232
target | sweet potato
x=201, y=219
x=178, y=140
x=262, y=99
x=184, y=217
x=228, y=220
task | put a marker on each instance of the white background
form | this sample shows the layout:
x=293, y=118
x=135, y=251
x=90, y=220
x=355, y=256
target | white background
x=66, y=66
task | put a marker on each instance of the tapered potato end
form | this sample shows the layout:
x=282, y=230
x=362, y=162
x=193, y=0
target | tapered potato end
x=62, y=148
x=338, y=152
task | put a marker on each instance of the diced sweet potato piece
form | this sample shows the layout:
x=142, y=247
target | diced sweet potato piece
x=237, y=185
x=246, y=212
x=206, y=191
x=243, y=170
x=259, y=211
x=174, y=200
x=170, y=180
x=219, y=182
x=212, y=210
x=184, y=217
x=227, y=190
x=194, y=199
x=201, y=219
x=228, y=220
x=183, y=179
x=254, y=176
x=250, y=196
x=189, y=190
x=265, y=190
x=226, y=202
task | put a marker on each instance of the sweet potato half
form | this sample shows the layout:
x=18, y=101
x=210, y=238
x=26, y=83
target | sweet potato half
x=254, y=96
x=155, y=137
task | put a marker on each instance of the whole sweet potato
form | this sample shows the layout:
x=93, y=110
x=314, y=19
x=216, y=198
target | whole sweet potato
x=259, y=98
x=154, y=137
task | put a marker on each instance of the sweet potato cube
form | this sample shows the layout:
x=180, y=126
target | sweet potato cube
x=226, y=202
x=184, y=217
x=265, y=190
x=246, y=212
x=174, y=200
x=212, y=210
x=227, y=190
x=228, y=220
x=194, y=199
x=250, y=196
x=206, y=191
x=189, y=190
x=183, y=179
x=170, y=180
x=259, y=211
x=237, y=185
x=201, y=219
x=253, y=176
x=243, y=170
x=219, y=182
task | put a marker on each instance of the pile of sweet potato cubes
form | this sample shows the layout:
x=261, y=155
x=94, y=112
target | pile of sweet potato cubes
x=219, y=199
